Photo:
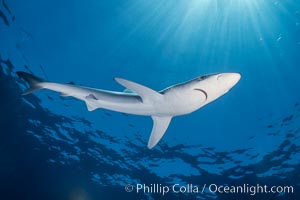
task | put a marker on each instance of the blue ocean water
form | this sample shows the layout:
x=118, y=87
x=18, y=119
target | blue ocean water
x=53, y=148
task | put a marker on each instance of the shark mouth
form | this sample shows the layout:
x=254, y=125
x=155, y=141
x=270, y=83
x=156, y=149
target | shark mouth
x=203, y=91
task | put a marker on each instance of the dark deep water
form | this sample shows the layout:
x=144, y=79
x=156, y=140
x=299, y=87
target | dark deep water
x=53, y=148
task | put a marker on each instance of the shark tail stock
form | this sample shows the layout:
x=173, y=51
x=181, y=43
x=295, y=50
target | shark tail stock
x=160, y=123
x=33, y=82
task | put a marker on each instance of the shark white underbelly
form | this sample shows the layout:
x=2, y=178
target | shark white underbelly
x=162, y=106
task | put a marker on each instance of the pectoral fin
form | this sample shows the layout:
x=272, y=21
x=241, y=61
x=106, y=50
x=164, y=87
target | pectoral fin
x=147, y=94
x=160, y=125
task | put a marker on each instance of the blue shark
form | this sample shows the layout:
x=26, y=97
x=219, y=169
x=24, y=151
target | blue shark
x=161, y=106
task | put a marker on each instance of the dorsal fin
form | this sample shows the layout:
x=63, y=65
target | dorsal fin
x=126, y=90
x=147, y=94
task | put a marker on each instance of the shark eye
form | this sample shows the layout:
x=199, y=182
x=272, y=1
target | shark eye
x=203, y=78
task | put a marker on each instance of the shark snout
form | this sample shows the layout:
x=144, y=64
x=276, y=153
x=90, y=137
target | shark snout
x=231, y=78
x=235, y=77
x=228, y=80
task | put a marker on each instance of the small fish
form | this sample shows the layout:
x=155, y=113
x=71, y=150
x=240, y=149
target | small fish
x=279, y=38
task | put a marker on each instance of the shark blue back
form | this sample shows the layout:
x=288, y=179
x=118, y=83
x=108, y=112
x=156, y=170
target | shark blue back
x=176, y=100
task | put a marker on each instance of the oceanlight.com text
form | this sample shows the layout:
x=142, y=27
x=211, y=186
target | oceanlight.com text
x=208, y=188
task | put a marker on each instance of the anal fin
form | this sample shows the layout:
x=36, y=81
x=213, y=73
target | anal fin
x=62, y=94
x=91, y=102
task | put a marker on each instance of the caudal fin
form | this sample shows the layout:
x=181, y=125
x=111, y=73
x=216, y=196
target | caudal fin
x=33, y=81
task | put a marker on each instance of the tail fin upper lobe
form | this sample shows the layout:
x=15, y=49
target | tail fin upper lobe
x=33, y=81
